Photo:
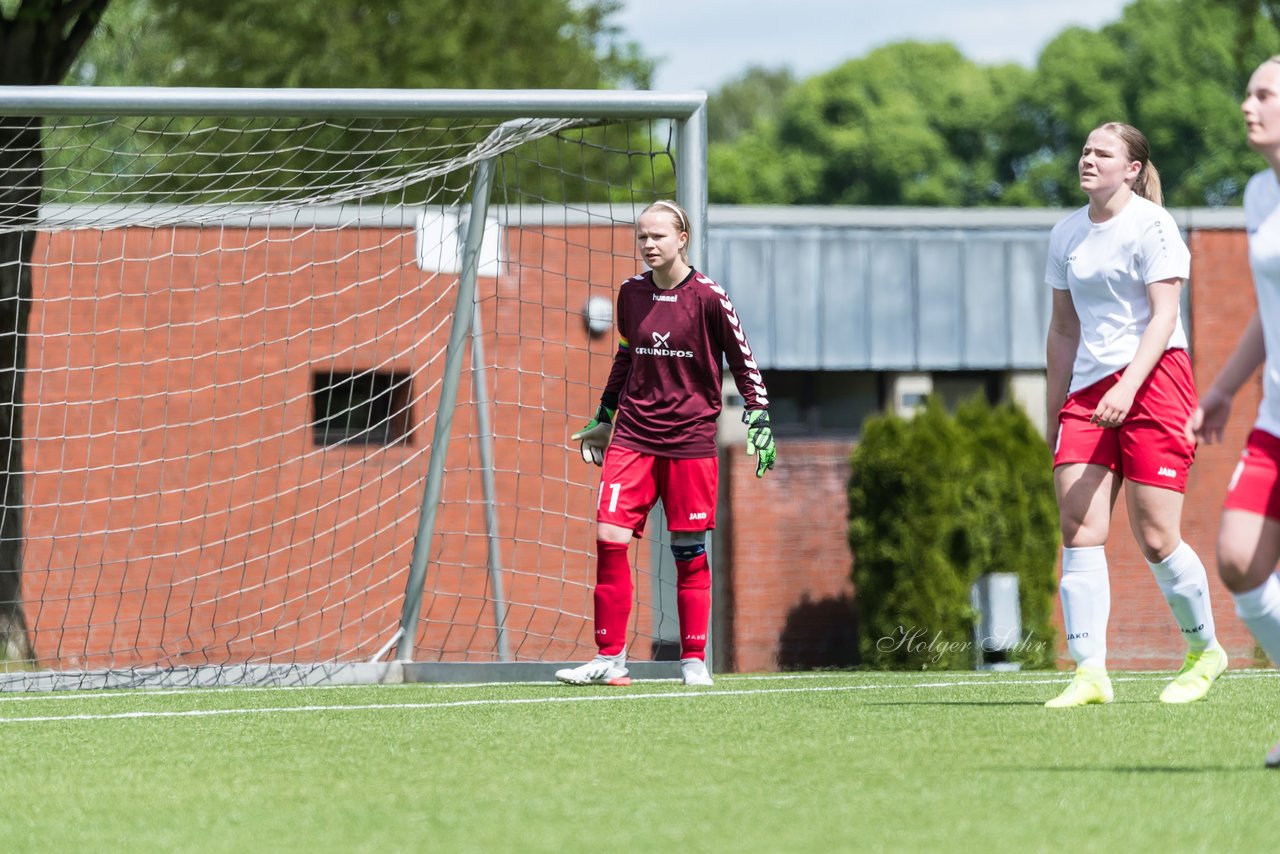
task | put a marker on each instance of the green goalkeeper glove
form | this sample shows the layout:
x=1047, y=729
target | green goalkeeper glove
x=760, y=439
x=595, y=436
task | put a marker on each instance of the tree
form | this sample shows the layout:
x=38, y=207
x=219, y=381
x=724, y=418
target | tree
x=371, y=43
x=39, y=40
x=918, y=124
x=934, y=502
x=500, y=44
x=910, y=123
x=1173, y=68
x=1248, y=33
x=754, y=98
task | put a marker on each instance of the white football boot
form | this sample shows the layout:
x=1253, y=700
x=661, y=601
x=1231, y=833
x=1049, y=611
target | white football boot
x=694, y=672
x=601, y=670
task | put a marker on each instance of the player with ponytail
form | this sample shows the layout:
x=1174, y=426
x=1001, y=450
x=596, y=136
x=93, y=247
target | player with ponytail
x=1119, y=391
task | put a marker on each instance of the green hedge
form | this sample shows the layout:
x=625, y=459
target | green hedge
x=935, y=501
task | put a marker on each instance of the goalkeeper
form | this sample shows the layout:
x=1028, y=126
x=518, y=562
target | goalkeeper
x=676, y=329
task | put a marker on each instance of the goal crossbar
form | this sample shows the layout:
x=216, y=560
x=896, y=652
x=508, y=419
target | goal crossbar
x=377, y=103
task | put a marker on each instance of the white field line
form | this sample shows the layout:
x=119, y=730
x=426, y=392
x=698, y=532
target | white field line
x=591, y=698
x=94, y=694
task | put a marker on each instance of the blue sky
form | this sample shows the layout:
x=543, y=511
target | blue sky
x=703, y=43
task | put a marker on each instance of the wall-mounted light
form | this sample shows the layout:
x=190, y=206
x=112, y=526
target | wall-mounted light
x=598, y=315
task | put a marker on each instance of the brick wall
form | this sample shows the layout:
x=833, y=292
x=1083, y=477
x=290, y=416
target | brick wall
x=787, y=562
x=1222, y=301
x=179, y=510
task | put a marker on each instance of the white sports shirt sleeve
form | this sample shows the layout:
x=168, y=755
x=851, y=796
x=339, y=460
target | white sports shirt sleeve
x=1107, y=267
x=1262, y=221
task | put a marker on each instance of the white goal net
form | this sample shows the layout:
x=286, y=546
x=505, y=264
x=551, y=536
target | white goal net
x=240, y=444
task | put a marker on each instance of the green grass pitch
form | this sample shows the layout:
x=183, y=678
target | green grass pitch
x=808, y=762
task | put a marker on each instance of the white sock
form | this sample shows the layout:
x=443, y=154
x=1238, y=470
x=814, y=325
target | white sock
x=1086, y=604
x=1259, y=608
x=1185, y=586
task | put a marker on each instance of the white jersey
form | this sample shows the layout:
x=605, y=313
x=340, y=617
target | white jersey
x=1262, y=220
x=1107, y=267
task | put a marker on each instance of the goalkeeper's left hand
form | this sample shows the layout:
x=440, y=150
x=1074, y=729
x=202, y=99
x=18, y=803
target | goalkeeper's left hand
x=595, y=436
x=760, y=439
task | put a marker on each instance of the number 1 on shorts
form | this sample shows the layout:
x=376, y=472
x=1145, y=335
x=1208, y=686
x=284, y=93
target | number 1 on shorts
x=614, y=488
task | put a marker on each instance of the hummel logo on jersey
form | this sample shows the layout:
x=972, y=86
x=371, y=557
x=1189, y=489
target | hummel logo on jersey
x=697, y=516
x=1165, y=471
x=666, y=298
x=662, y=348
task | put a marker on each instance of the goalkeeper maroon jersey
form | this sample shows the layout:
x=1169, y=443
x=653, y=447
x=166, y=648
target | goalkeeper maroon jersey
x=668, y=369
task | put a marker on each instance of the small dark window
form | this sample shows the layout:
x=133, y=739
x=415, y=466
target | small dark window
x=360, y=408
x=820, y=403
x=955, y=387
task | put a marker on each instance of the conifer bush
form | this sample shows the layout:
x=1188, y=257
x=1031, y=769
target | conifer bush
x=935, y=501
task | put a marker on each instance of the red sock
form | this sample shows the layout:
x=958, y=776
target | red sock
x=693, y=602
x=613, y=596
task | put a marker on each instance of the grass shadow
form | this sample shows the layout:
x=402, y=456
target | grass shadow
x=1121, y=769
x=954, y=703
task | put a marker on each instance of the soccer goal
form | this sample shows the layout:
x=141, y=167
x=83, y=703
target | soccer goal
x=288, y=378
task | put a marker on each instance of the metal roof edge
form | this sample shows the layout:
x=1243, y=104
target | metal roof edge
x=839, y=216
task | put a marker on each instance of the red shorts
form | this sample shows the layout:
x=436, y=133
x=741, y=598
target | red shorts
x=632, y=483
x=1255, y=484
x=1150, y=446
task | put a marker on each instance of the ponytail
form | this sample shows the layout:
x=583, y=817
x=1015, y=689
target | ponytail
x=1147, y=184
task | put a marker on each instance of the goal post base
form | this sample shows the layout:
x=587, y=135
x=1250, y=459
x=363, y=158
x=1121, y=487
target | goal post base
x=211, y=676
x=305, y=675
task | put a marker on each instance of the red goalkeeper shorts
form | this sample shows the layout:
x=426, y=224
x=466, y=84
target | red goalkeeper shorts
x=1150, y=446
x=632, y=483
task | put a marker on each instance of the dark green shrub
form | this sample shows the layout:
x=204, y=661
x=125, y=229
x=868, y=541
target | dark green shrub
x=934, y=502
